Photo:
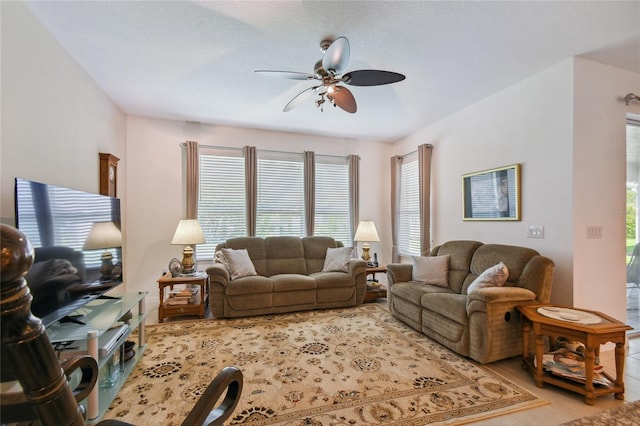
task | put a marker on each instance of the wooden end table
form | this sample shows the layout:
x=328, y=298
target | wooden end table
x=592, y=335
x=165, y=310
x=372, y=293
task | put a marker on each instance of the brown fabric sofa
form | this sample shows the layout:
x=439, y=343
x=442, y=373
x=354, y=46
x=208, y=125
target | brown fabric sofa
x=484, y=325
x=289, y=278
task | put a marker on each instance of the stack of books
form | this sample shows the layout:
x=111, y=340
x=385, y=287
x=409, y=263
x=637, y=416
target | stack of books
x=183, y=296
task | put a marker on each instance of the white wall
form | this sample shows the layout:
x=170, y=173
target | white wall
x=528, y=123
x=572, y=173
x=155, y=185
x=599, y=179
x=55, y=119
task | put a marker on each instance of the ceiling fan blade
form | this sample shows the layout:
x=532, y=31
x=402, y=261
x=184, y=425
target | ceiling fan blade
x=299, y=98
x=371, y=77
x=342, y=97
x=292, y=75
x=337, y=55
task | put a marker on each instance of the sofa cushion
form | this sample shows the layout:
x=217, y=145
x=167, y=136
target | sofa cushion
x=239, y=263
x=285, y=255
x=431, y=270
x=337, y=259
x=256, y=248
x=333, y=279
x=461, y=252
x=315, y=250
x=494, y=276
x=249, y=285
x=449, y=305
x=414, y=291
x=292, y=282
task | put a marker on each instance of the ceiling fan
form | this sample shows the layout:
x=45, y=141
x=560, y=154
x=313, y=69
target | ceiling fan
x=328, y=71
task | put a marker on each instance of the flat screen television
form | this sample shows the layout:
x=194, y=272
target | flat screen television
x=57, y=222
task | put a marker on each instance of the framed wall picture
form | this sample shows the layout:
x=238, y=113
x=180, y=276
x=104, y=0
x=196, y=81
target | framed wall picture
x=492, y=194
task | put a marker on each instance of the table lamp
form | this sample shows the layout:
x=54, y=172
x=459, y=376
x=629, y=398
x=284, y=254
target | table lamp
x=366, y=233
x=188, y=232
x=104, y=235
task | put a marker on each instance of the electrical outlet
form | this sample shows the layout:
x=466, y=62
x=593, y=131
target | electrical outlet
x=535, y=231
x=594, y=232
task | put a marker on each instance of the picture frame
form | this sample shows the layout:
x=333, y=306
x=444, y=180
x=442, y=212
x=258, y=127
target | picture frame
x=175, y=267
x=492, y=195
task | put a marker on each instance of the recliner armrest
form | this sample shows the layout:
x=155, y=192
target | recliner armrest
x=357, y=266
x=399, y=273
x=218, y=274
x=479, y=299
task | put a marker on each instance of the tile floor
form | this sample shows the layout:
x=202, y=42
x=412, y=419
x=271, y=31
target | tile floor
x=563, y=405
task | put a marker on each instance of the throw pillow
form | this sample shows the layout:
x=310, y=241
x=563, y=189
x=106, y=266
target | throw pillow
x=494, y=276
x=239, y=263
x=431, y=270
x=337, y=259
x=219, y=258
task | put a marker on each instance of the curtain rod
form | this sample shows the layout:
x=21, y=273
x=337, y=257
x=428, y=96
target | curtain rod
x=413, y=152
x=183, y=144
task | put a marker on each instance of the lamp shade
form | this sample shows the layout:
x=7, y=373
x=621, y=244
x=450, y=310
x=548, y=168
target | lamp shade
x=103, y=235
x=366, y=232
x=188, y=232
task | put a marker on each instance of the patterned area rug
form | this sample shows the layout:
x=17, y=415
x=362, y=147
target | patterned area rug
x=351, y=366
x=624, y=415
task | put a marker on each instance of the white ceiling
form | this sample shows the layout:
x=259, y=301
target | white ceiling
x=194, y=60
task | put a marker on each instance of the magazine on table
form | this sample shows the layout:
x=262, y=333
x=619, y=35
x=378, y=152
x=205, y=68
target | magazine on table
x=570, y=365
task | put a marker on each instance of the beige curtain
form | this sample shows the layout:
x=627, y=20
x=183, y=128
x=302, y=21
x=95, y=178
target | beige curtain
x=354, y=191
x=395, y=205
x=424, y=185
x=193, y=178
x=309, y=191
x=251, y=187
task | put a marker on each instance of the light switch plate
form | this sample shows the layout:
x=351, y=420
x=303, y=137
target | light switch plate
x=535, y=231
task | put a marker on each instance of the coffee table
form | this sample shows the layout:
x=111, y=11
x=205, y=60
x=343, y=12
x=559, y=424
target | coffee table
x=592, y=335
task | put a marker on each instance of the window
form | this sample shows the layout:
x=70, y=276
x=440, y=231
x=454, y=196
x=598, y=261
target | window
x=409, y=208
x=332, y=198
x=221, y=205
x=280, y=204
x=280, y=209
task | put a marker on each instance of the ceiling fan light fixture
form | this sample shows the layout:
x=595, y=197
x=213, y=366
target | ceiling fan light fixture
x=329, y=72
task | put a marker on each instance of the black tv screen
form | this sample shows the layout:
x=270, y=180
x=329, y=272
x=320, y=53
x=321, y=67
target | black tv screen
x=57, y=222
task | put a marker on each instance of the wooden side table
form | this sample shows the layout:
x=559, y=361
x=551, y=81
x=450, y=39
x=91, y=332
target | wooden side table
x=592, y=335
x=166, y=310
x=372, y=293
x=373, y=270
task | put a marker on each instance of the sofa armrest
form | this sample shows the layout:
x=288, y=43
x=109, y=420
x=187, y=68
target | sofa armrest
x=478, y=300
x=218, y=280
x=358, y=269
x=399, y=273
x=218, y=274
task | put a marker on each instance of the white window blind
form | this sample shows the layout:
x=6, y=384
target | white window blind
x=221, y=201
x=280, y=209
x=409, y=208
x=332, y=216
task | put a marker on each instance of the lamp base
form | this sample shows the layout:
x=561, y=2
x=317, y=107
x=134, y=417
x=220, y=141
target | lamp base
x=365, y=252
x=188, y=264
x=107, y=266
